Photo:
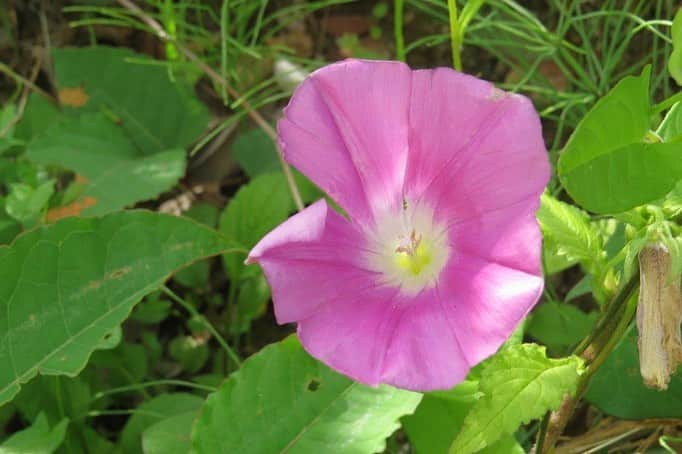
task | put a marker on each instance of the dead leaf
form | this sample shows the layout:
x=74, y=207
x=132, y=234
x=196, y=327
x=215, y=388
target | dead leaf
x=74, y=97
x=342, y=24
x=659, y=314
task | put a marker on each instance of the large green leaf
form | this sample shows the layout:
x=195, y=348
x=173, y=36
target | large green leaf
x=570, y=230
x=518, y=384
x=157, y=113
x=607, y=165
x=37, y=439
x=617, y=387
x=71, y=283
x=282, y=400
x=39, y=115
x=117, y=174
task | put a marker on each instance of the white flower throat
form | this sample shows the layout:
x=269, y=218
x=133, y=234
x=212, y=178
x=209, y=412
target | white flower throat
x=408, y=249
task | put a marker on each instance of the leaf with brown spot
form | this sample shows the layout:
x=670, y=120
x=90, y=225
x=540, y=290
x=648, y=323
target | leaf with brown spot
x=71, y=283
x=116, y=173
x=74, y=97
x=156, y=112
x=72, y=209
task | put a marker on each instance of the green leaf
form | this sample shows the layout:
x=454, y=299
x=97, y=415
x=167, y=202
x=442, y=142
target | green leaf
x=155, y=112
x=197, y=274
x=570, y=230
x=559, y=325
x=618, y=390
x=155, y=411
x=518, y=384
x=153, y=308
x=39, y=114
x=26, y=204
x=69, y=284
x=254, y=294
x=54, y=397
x=190, y=352
x=256, y=208
x=98, y=150
x=675, y=60
x=436, y=422
x=37, y=439
x=170, y=436
x=282, y=400
x=439, y=416
x=607, y=165
x=125, y=364
x=255, y=153
x=9, y=228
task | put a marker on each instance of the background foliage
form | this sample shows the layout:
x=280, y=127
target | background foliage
x=137, y=168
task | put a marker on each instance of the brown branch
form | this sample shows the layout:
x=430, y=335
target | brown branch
x=218, y=79
x=612, y=430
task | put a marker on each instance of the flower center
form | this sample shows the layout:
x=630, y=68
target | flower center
x=408, y=250
x=414, y=255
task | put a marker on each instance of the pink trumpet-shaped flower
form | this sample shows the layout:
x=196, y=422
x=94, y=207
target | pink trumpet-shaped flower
x=440, y=174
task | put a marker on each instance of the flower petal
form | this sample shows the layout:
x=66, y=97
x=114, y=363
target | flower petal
x=508, y=236
x=312, y=258
x=346, y=129
x=480, y=153
x=485, y=302
x=425, y=353
x=378, y=336
x=351, y=334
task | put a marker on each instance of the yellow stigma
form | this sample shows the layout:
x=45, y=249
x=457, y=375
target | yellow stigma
x=413, y=256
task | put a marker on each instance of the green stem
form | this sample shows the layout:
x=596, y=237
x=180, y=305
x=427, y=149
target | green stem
x=398, y=7
x=211, y=329
x=455, y=35
x=666, y=103
x=150, y=384
x=224, y=34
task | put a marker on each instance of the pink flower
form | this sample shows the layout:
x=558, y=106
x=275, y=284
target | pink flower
x=438, y=260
